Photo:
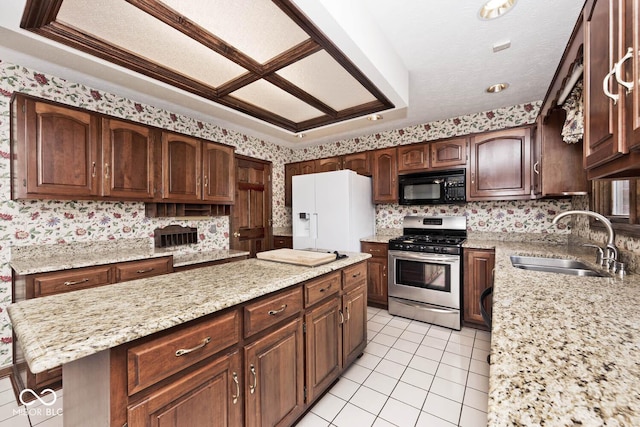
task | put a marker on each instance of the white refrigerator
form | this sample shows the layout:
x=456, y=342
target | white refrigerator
x=332, y=211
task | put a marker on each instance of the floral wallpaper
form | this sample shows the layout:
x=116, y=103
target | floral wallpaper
x=39, y=222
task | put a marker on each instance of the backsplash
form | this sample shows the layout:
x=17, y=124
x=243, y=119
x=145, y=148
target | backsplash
x=513, y=216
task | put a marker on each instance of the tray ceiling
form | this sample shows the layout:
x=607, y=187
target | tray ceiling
x=260, y=57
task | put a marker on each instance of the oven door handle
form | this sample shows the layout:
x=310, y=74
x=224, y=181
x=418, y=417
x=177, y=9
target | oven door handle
x=422, y=307
x=423, y=256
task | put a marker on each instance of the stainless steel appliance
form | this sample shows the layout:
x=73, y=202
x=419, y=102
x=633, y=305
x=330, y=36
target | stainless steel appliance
x=425, y=270
x=430, y=188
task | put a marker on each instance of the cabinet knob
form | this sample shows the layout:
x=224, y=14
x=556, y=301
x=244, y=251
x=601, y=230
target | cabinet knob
x=236, y=234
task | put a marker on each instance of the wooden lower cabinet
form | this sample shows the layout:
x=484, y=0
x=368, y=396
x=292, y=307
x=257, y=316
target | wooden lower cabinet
x=274, y=377
x=354, y=328
x=264, y=375
x=280, y=242
x=377, y=279
x=478, y=276
x=208, y=396
x=323, y=345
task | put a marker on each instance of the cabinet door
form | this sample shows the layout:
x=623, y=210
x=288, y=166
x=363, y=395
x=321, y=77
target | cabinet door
x=413, y=158
x=500, y=165
x=181, y=167
x=219, y=173
x=385, y=176
x=377, y=282
x=208, y=396
x=324, y=347
x=56, y=151
x=478, y=276
x=329, y=164
x=358, y=162
x=601, y=51
x=452, y=152
x=274, y=377
x=293, y=169
x=127, y=156
x=354, y=328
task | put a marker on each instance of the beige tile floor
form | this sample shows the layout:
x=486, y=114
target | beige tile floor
x=411, y=374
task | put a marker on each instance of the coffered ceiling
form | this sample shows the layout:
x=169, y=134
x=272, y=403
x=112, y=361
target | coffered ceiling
x=276, y=69
x=260, y=57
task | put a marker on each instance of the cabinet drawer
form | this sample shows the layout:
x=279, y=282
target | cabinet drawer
x=262, y=314
x=354, y=275
x=67, y=281
x=318, y=289
x=162, y=357
x=147, y=268
x=375, y=249
x=282, y=242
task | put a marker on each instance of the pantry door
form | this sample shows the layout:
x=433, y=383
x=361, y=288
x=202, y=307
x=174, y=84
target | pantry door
x=251, y=213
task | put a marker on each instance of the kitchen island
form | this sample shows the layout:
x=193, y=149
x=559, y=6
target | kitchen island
x=91, y=330
x=564, y=349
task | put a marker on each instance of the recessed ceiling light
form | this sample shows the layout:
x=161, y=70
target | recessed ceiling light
x=495, y=8
x=497, y=87
x=300, y=135
x=374, y=117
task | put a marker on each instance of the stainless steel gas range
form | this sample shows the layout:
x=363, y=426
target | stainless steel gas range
x=425, y=270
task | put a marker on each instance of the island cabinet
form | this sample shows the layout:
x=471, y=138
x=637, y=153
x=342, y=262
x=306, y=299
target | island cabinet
x=612, y=99
x=500, y=165
x=377, y=280
x=478, y=276
x=259, y=363
x=194, y=170
x=385, y=176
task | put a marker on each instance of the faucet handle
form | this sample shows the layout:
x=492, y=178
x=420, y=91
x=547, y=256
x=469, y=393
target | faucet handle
x=599, y=254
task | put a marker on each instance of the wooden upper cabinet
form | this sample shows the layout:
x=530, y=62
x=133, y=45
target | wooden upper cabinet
x=181, y=167
x=601, y=51
x=55, y=151
x=385, y=176
x=500, y=165
x=358, y=162
x=448, y=153
x=127, y=157
x=413, y=158
x=219, y=173
x=293, y=169
x=329, y=164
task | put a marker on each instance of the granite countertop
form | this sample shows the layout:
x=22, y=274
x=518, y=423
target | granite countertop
x=62, y=328
x=46, y=258
x=564, y=349
x=383, y=235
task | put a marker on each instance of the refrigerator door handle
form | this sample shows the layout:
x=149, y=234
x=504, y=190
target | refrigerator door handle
x=314, y=225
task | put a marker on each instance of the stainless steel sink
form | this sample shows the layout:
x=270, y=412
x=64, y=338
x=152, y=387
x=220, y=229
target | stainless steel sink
x=555, y=265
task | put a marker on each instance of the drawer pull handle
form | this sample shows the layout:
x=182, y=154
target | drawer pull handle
x=184, y=351
x=252, y=387
x=235, y=396
x=275, y=312
x=356, y=275
x=77, y=282
x=146, y=270
x=327, y=288
x=341, y=317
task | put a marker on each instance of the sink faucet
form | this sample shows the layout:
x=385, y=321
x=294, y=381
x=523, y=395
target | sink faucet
x=611, y=252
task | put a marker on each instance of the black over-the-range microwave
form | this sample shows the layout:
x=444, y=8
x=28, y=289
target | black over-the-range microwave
x=432, y=188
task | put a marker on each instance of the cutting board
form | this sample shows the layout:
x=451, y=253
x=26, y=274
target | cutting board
x=297, y=257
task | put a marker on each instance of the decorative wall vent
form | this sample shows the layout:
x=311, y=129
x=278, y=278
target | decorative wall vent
x=175, y=235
